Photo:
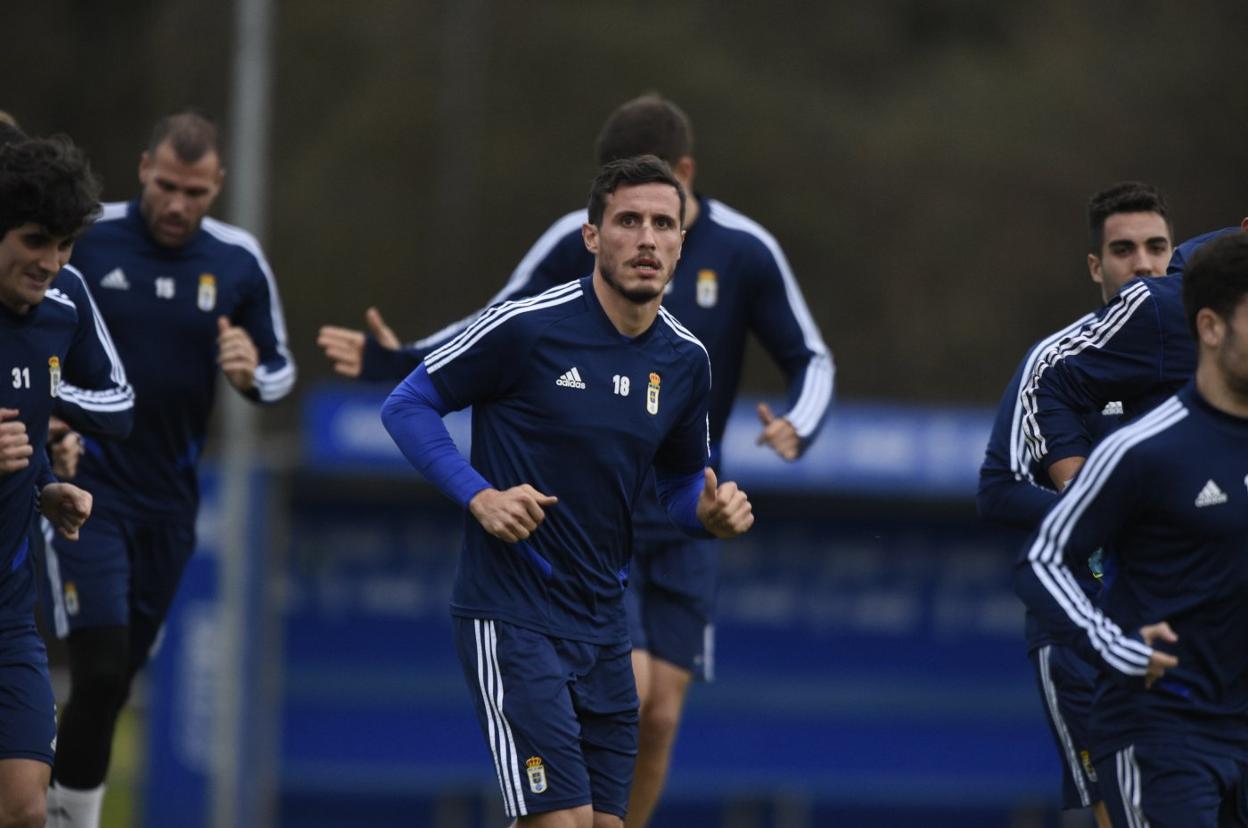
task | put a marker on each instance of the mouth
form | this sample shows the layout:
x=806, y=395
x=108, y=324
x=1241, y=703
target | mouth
x=39, y=278
x=646, y=266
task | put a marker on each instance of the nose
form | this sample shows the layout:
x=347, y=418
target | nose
x=647, y=236
x=51, y=259
x=1142, y=264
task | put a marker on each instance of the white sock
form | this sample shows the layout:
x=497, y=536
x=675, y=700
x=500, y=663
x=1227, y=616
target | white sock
x=70, y=808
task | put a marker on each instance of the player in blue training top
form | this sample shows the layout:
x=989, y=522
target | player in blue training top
x=1130, y=235
x=576, y=394
x=732, y=279
x=1170, y=493
x=1136, y=349
x=187, y=297
x=57, y=357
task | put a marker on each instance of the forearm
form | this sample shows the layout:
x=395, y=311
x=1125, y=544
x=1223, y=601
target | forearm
x=1012, y=502
x=382, y=364
x=412, y=415
x=679, y=496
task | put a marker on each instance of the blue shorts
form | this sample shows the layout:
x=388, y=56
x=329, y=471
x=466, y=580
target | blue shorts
x=1067, y=684
x=27, y=709
x=120, y=572
x=670, y=600
x=560, y=716
x=1174, y=785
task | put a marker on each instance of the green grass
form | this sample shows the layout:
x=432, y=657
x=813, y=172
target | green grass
x=122, y=794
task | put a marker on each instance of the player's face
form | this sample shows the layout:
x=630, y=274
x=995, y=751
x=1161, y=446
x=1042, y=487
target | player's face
x=30, y=258
x=177, y=195
x=1134, y=244
x=639, y=242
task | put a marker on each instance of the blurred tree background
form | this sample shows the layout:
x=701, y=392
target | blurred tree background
x=924, y=163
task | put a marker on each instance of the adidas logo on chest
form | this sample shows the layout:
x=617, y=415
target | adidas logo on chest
x=1210, y=495
x=571, y=379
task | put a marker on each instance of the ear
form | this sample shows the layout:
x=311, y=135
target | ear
x=1210, y=327
x=145, y=164
x=1094, y=269
x=1244, y=224
x=589, y=235
x=684, y=169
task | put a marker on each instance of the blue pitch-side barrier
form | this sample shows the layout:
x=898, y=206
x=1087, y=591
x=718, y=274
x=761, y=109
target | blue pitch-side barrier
x=869, y=656
x=863, y=449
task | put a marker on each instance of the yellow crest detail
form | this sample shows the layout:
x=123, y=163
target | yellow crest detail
x=54, y=375
x=708, y=288
x=206, y=298
x=652, y=394
x=537, y=774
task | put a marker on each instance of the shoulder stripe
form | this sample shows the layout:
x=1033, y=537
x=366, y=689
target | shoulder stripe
x=497, y=316
x=60, y=298
x=112, y=210
x=117, y=370
x=521, y=276
x=272, y=383
x=816, y=394
x=1093, y=335
x=1020, y=459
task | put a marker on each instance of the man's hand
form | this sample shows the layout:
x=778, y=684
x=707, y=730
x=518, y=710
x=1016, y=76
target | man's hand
x=15, y=448
x=1158, y=662
x=778, y=433
x=237, y=355
x=344, y=347
x=65, y=447
x=1064, y=471
x=66, y=506
x=513, y=514
x=724, y=510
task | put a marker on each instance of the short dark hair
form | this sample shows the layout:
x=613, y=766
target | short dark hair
x=1123, y=197
x=1216, y=277
x=627, y=172
x=191, y=135
x=47, y=181
x=648, y=125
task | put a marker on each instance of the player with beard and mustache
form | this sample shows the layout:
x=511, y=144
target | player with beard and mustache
x=576, y=394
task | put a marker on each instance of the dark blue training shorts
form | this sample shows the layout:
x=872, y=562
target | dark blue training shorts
x=670, y=600
x=1067, y=684
x=120, y=572
x=560, y=716
x=27, y=709
x=1174, y=785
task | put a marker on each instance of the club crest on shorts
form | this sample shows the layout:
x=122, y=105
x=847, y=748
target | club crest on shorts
x=1088, y=769
x=537, y=774
x=652, y=394
x=207, y=297
x=708, y=288
x=54, y=375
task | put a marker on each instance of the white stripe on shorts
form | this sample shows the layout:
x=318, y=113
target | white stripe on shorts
x=1059, y=724
x=60, y=618
x=1129, y=787
x=502, y=745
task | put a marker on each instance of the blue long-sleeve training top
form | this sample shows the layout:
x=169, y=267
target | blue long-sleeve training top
x=1136, y=350
x=732, y=279
x=560, y=401
x=57, y=358
x=162, y=306
x=1170, y=493
x=1015, y=491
